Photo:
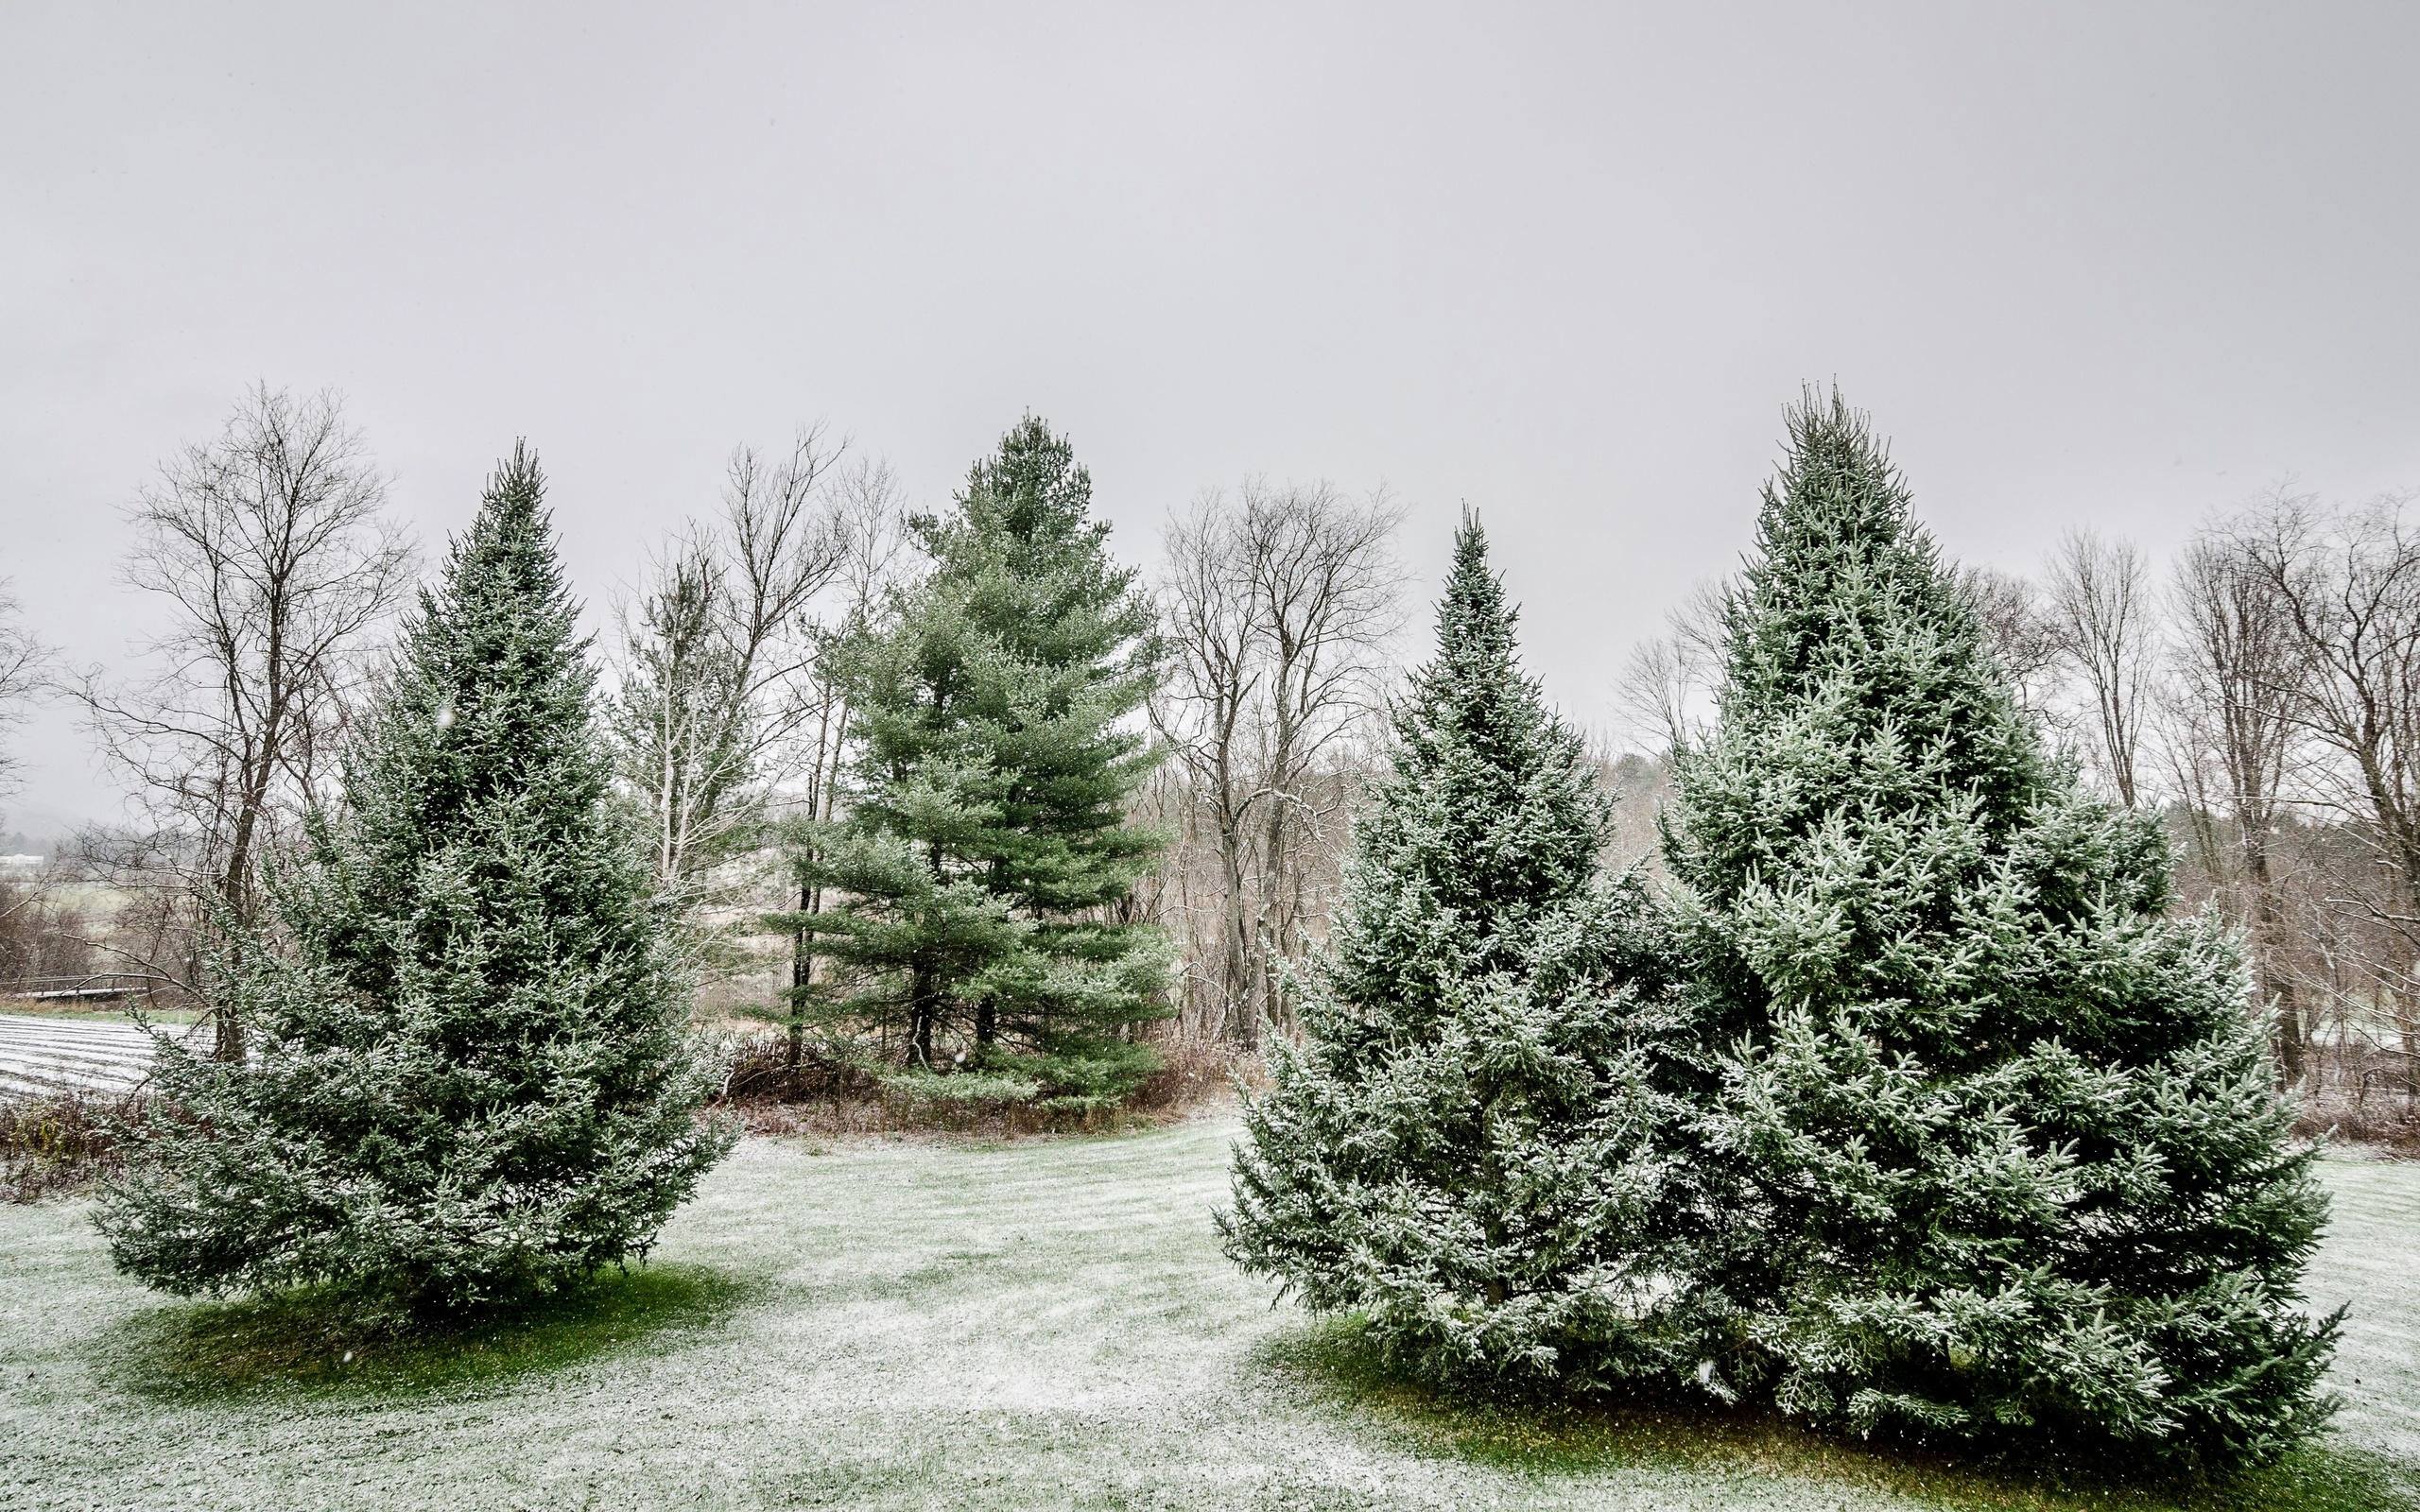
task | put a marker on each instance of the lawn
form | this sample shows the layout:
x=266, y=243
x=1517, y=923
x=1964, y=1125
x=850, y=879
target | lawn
x=1045, y=1323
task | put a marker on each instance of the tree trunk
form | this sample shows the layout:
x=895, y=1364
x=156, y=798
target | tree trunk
x=2268, y=947
x=2407, y=1021
x=1236, y=967
x=802, y=977
x=234, y=896
x=923, y=1007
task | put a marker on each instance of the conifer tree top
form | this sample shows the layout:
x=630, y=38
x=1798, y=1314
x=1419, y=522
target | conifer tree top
x=1475, y=690
x=1032, y=489
x=1839, y=561
x=489, y=695
x=1474, y=683
x=1476, y=627
x=1489, y=817
x=506, y=561
x=1849, y=638
x=512, y=523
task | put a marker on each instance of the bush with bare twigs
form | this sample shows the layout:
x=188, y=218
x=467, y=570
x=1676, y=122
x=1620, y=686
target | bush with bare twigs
x=828, y=1091
x=55, y=1144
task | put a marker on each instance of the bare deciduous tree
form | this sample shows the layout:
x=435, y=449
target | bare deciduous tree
x=2228, y=708
x=1278, y=604
x=714, y=696
x=870, y=522
x=27, y=919
x=1665, y=690
x=270, y=549
x=2020, y=631
x=23, y=663
x=2347, y=586
x=2101, y=626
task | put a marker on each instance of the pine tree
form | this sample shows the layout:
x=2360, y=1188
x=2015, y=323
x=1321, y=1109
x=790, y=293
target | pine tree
x=987, y=856
x=2002, y=1156
x=470, y=1080
x=1467, y=1147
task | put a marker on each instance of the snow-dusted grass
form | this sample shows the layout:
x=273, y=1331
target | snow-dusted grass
x=1047, y=1324
x=2372, y=1260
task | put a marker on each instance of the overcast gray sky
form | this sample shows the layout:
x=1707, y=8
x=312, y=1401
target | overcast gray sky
x=2112, y=264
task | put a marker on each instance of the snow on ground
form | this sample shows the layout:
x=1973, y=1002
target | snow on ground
x=2371, y=1259
x=894, y=1325
x=60, y=1054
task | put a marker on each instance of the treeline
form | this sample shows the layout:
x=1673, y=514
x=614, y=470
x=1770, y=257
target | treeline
x=760, y=719
x=894, y=755
x=2260, y=696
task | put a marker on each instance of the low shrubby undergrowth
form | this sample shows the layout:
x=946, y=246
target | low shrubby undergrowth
x=55, y=1143
x=832, y=1088
x=2383, y=1120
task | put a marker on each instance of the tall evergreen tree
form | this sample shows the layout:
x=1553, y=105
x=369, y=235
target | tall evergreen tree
x=470, y=1080
x=986, y=857
x=2002, y=1154
x=1467, y=1147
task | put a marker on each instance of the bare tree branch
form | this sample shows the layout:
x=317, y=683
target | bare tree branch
x=2345, y=586
x=25, y=670
x=1278, y=605
x=2102, y=629
x=271, y=550
x=717, y=651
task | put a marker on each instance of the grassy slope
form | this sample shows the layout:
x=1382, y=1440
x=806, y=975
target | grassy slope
x=1043, y=1325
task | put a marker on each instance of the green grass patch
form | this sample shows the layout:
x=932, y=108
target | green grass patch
x=1337, y=1361
x=316, y=1342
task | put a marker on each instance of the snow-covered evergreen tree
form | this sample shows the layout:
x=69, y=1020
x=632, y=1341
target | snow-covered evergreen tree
x=1467, y=1147
x=470, y=1079
x=2002, y=1154
x=985, y=855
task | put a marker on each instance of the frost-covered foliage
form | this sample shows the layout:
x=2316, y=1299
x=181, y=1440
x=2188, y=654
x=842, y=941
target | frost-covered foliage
x=986, y=858
x=470, y=1079
x=1998, y=1143
x=1466, y=1146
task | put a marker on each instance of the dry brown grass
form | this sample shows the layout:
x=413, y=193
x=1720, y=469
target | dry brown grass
x=55, y=1144
x=2385, y=1121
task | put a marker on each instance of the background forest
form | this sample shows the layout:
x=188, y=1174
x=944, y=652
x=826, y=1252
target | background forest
x=2260, y=694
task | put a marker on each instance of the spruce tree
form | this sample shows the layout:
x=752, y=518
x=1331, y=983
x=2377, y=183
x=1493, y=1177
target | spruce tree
x=1467, y=1147
x=986, y=859
x=469, y=1079
x=2001, y=1154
